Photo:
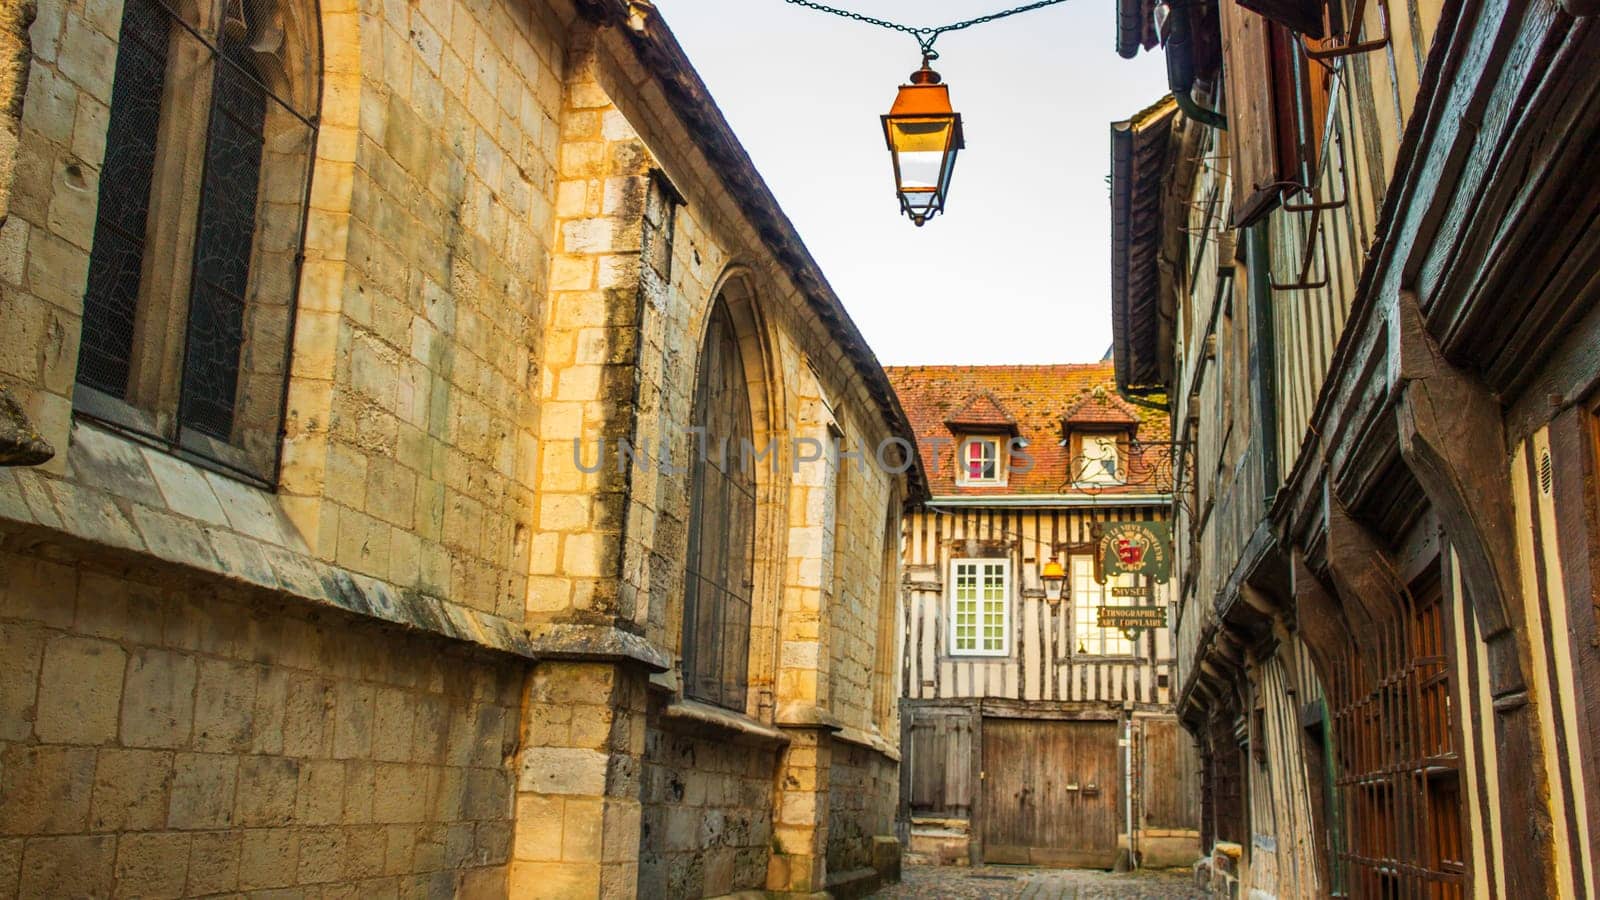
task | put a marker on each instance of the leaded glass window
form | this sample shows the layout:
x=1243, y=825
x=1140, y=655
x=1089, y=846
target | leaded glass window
x=719, y=576
x=190, y=296
x=112, y=298
x=980, y=608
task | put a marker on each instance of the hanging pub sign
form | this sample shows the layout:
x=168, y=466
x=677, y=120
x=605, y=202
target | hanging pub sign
x=1137, y=548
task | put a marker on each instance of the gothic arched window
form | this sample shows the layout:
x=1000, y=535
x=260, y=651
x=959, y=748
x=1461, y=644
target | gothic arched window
x=196, y=253
x=719, y=575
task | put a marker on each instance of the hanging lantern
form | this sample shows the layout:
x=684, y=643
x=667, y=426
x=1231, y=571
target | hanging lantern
x=1054, y=578
x=924, y=134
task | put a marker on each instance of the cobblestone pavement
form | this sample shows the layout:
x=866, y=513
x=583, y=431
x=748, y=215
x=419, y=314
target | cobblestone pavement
x=1025, y=883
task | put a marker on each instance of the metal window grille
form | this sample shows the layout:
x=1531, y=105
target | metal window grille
x=719, y=575
x=1398, y=778
x=188, y=309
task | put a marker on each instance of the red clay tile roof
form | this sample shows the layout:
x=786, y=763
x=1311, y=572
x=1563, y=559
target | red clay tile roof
x=1037, y=398
x=1101, y=406
x=982, y=413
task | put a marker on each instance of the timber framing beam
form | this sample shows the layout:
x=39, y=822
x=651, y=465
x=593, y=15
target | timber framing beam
x=1453, y=440
x=1319, y=618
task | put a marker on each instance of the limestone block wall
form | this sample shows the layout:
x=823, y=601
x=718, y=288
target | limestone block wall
x=426, y=261
x=410, y=412
x=163, y=737
x=862, y=801
x=512, y=241
x=860, y=598
x=707, y=818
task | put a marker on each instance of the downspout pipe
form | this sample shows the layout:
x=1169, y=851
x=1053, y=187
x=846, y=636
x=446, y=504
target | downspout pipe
x=1127, y=787
x=1180, y=69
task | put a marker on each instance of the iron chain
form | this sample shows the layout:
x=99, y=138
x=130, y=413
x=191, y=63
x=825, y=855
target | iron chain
x=925, y=36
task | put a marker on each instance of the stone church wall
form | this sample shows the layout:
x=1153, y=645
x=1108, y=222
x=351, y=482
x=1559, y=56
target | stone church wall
x=428, y=655
x=707, y=818
x=163, y=736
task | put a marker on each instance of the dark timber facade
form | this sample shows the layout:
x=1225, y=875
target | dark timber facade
x=1355, y=254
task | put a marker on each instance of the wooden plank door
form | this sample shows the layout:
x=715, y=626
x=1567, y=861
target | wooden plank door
x=939, y=760
x=1171, y=776
x=1051, y=792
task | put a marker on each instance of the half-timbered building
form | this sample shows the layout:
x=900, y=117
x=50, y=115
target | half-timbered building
x=1355, y=253
x=1030, y=733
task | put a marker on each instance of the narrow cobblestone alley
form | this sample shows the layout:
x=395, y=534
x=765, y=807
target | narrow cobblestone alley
x=1026, y=883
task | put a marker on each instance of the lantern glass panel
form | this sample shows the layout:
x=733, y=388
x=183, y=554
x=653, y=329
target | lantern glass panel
x=921, y=145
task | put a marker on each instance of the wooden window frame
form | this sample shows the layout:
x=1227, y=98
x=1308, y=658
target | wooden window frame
x=1084, y=625
x=981, y=620
x=1399, y=776
x=964, y=466
x=1075, y=453
x=1291, y=99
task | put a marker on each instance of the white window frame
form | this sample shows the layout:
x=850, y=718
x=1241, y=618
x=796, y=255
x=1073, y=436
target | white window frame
x=1085, y=613
x=1081, y=459
x=982, y=617
x=963, y=467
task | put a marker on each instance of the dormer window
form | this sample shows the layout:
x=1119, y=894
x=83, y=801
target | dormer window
x=1097, y=459
x=1097, y=432
x=983, y=430
x=981, y=461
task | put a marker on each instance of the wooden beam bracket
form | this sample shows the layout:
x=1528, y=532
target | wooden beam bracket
x=1320, y=620
x=1452, y=438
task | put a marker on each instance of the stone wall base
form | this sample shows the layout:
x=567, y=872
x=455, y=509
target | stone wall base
x=939, y=842
x=1168, y=851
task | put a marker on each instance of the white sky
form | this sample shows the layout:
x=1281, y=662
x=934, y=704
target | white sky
x=1018, y=269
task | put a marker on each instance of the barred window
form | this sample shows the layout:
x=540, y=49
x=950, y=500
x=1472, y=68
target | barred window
x=196, y=253
x=719, y=576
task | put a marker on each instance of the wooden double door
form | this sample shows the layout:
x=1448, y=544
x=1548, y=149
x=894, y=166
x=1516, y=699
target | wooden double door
x=1051, y=792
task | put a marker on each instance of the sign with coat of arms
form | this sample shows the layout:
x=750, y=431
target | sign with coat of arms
x=1137, y=548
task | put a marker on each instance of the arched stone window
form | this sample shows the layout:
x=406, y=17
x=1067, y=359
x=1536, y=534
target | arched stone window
x=195, y=261
x=719, y=576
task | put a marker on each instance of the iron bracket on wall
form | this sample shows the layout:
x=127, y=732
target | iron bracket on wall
x=1316, y=207
x=1347, y=45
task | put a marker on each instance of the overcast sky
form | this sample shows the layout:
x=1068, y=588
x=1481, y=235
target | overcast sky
x=1017, y=270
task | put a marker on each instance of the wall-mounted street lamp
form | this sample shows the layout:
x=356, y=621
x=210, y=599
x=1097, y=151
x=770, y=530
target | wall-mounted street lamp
x=1054, y=578
x=924, y=135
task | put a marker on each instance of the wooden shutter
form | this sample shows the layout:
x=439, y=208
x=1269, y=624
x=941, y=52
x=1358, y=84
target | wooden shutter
x=1303, y=16
x=1247, y=74
x=1269, y=88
